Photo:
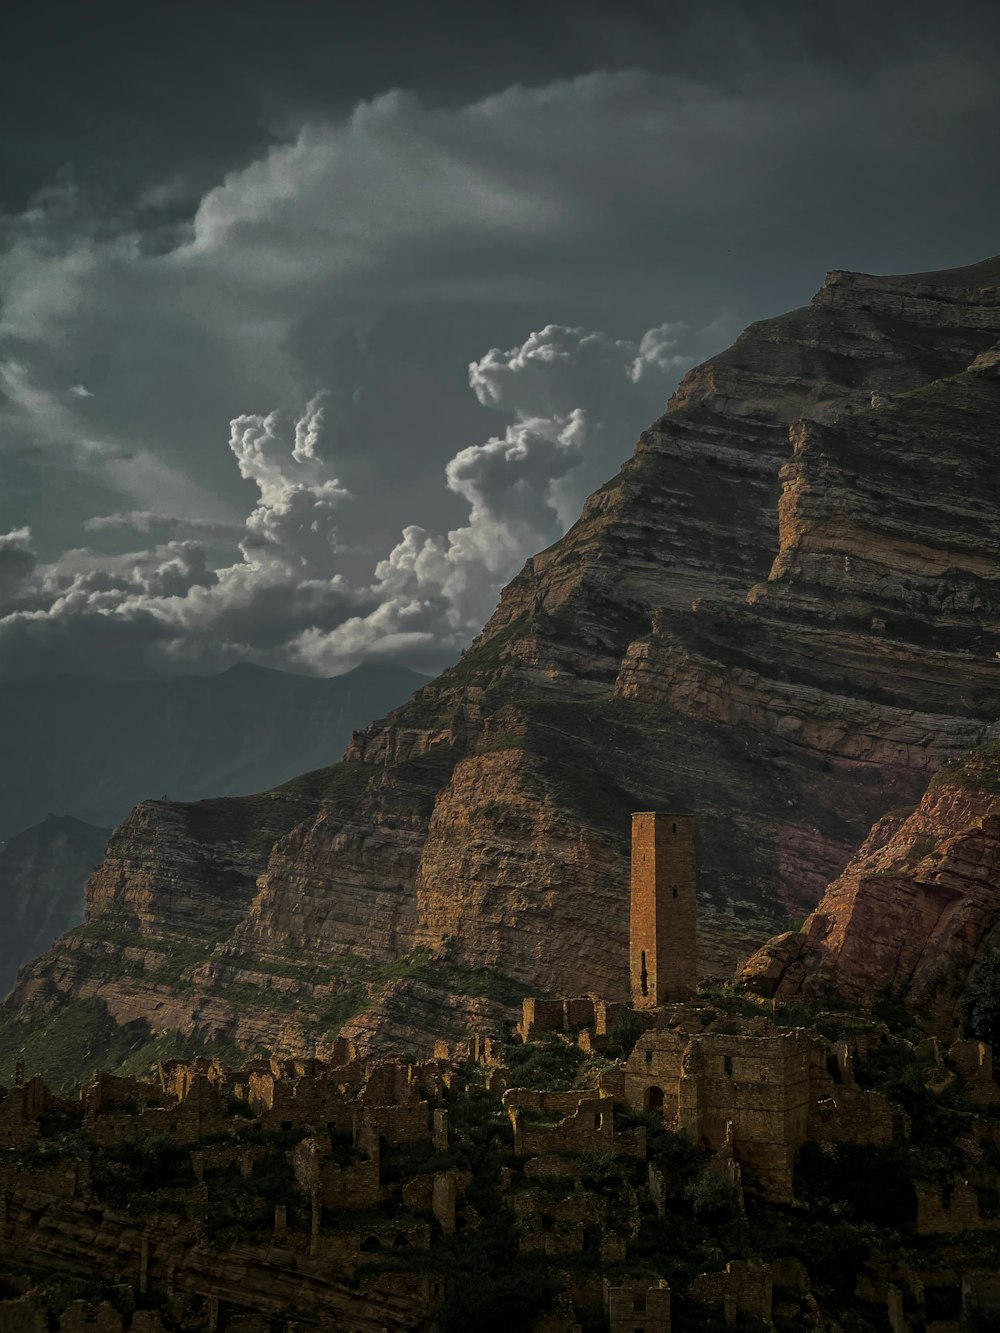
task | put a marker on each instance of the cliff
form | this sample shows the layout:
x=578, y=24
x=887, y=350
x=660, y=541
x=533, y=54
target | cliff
x=781, y=616
x=911, y=912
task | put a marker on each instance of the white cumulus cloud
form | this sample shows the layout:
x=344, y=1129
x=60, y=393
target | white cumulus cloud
x=573, y=400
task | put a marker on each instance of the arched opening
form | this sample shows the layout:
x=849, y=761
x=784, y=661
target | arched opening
x=653, y=1100
x=400, y=1242
x=370, y=1244
x=644, y=975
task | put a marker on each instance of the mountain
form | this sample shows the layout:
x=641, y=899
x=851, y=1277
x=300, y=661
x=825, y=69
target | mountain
x=93, y=748
x=41, y=871
x=781, y=616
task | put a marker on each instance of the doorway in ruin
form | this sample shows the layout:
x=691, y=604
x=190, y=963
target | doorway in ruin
x=653, y=1100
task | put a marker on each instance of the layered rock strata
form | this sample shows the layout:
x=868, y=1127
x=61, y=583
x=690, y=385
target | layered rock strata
x=780, y=616
x=911, y=912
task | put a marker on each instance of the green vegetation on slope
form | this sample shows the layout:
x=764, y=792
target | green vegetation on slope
x=978, y=770
x=66, y=1039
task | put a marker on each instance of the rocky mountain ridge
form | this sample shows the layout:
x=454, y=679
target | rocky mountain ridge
x=41, y=870
x=911, y=913
x=781, y=615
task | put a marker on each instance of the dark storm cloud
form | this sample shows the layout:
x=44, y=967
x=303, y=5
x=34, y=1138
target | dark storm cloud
x=155, y=98
x=360, y=259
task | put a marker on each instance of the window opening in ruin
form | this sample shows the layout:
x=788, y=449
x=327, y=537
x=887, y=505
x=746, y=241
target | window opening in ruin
x=654, y=1099
x=833, y=1068
x=598, y=1120
x=673, y=828
x=727, y=1064
x=400, y=1242
x=644, y=975
x=371, y=1243
x=649, y=1057
x=675, y=893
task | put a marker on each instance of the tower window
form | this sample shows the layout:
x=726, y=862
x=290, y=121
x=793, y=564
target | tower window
x=675, y=893
x=644, y=975
x=727, y=1064
x=673, y=828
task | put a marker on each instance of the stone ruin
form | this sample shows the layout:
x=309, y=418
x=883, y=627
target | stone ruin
x=748, y=1091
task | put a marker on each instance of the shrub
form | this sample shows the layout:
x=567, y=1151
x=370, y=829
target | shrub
x=493, y=1288
x=601, y=1170
x=981, y=1002
x=549, y=1065
x=623, y=1035
x=712, y=1198
x=872, y=1180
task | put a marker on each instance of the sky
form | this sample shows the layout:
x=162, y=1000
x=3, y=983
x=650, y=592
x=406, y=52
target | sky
x=317, y=320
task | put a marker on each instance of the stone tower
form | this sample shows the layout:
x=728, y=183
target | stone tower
x=663, y=916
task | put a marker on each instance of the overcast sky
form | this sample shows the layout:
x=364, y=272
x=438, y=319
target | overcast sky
x=316, y=320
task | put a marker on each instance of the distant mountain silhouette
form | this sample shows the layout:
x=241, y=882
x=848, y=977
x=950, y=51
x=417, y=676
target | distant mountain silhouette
x=94, y=748
x=42, y=871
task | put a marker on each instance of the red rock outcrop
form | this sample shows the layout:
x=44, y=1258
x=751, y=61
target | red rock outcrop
x=911, y=911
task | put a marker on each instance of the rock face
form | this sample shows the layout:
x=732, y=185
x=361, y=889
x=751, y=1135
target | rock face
x=781, y=616
x=41, y=871
x=911, y=911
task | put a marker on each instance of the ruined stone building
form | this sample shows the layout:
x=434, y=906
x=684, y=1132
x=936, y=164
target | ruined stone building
x=766, y=1092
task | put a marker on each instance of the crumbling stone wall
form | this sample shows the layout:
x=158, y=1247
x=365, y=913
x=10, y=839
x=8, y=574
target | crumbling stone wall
x=355, y=1185
x=357, y=1245
x=399, y=1124
x=742, y=1289
x=950, y=1211
x=637, y=1305
x=588, y=1125
x=563, y=1015
x=653, y=1071
x=760, y=1086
